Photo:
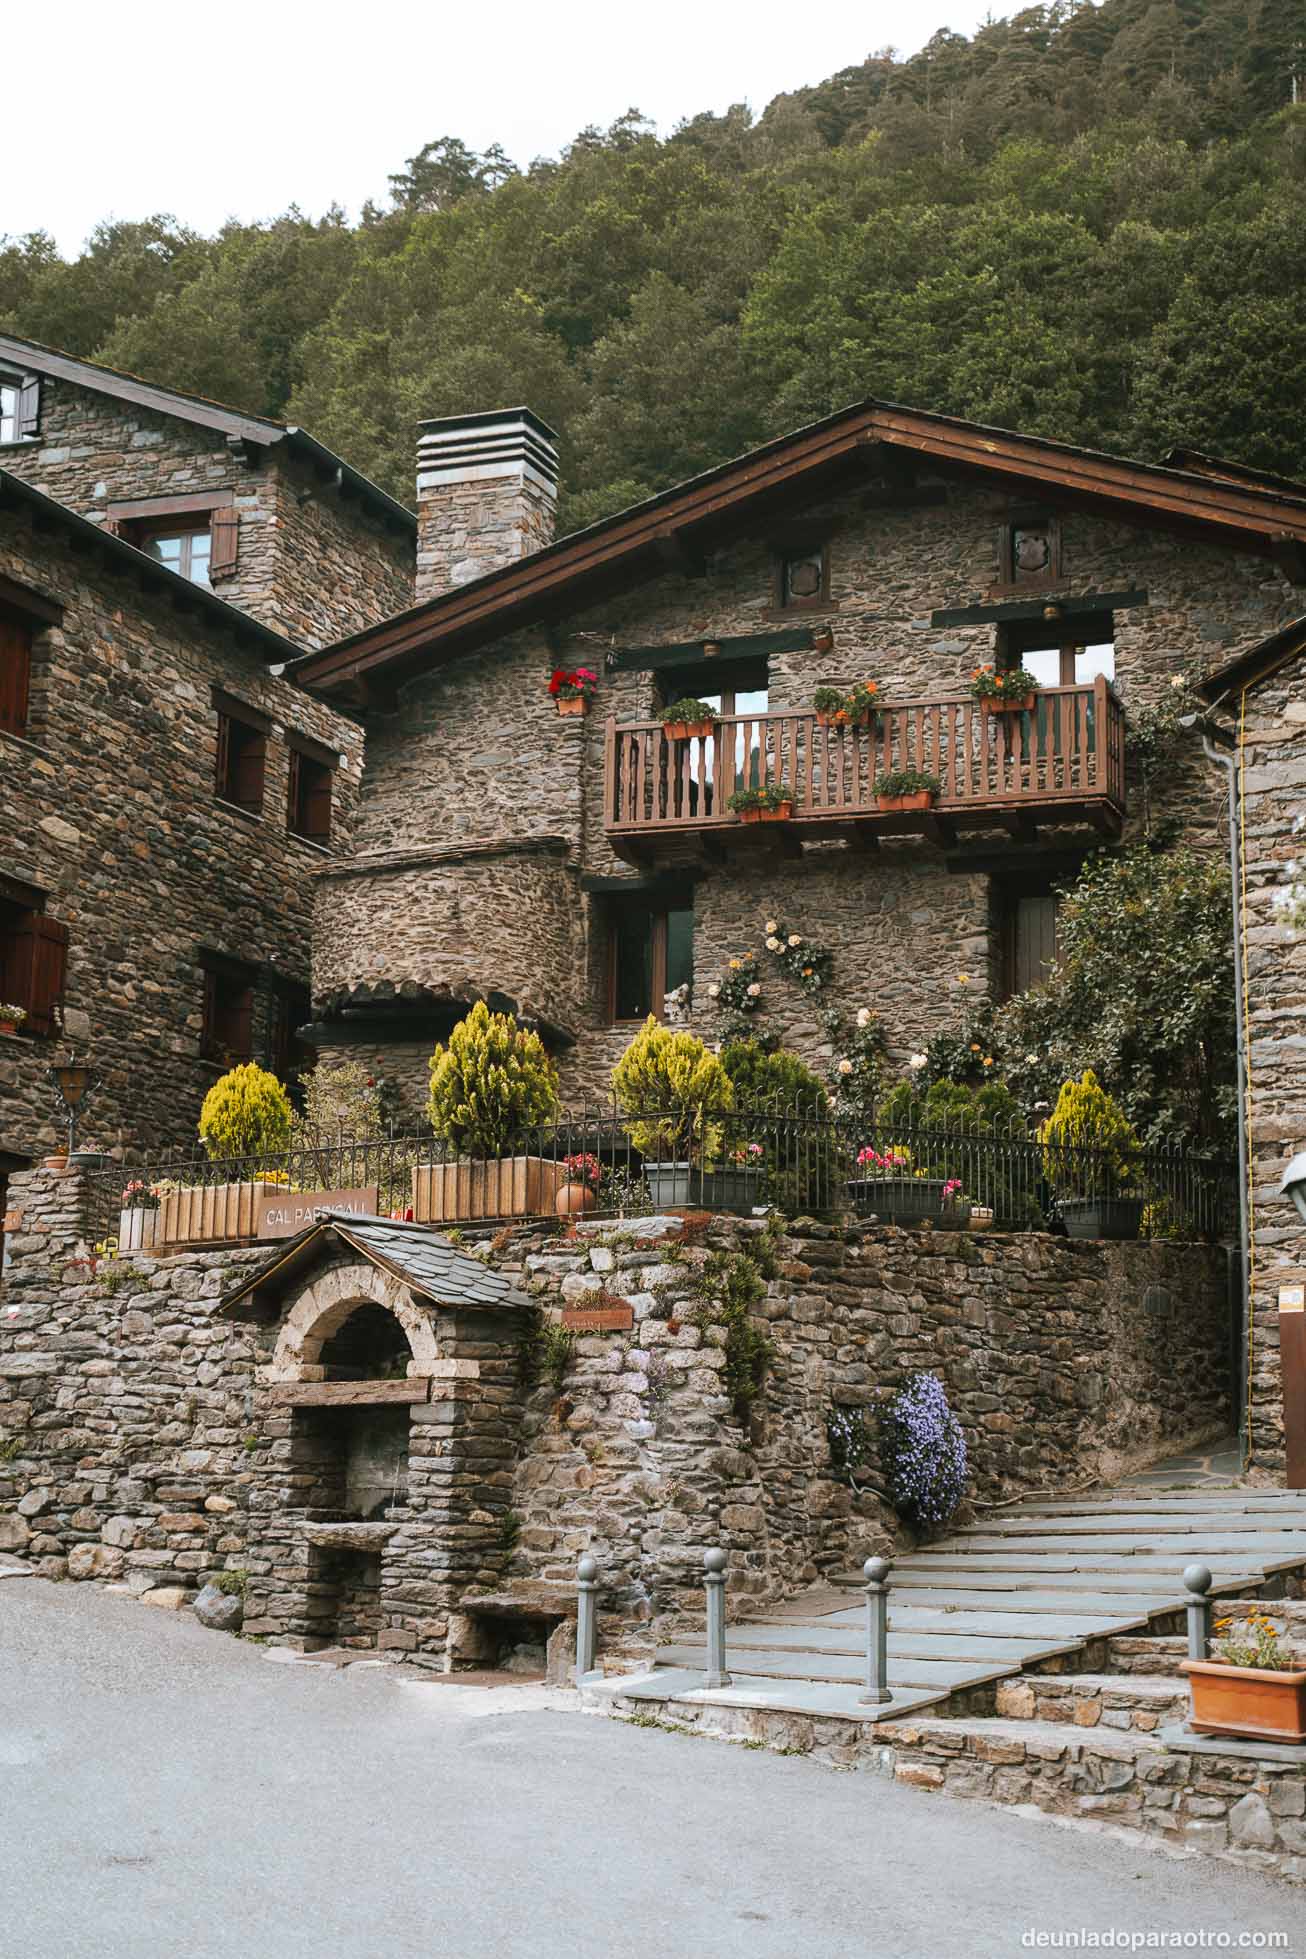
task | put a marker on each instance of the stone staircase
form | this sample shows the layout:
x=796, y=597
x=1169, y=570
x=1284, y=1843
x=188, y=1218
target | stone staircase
x=1033, y=1659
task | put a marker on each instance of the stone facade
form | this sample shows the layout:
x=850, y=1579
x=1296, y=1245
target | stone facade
x=1271, y=731
x=108, y=808
x=476, y=755
x=487, y=494
x=309, y=564
x=143, y=1437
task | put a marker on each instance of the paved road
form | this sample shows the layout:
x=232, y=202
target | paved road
x=169, y=1791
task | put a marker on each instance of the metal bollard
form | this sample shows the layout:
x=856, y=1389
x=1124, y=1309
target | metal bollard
x=587, y=1620
x=876, y=1573
x=714, y=1567
x=1197, y=1580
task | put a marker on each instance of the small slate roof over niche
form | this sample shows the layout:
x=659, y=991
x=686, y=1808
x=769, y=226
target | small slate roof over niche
x=420, y=1257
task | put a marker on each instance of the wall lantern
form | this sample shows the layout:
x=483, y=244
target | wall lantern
x=1052, y=612
x=1293, y=1186
x=76, y=1083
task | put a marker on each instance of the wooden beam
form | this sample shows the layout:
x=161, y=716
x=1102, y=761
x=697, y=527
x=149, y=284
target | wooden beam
x=350, y=1394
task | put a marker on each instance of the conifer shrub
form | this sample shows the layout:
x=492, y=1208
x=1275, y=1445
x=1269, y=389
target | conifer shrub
x=246, y=1113
x=491, y=1083
x=673, y=1087
x=1089, y=1142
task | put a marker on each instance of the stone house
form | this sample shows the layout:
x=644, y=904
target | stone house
x=583, y=868
x=1261, y=698
x=165, y=797
x=259, y=512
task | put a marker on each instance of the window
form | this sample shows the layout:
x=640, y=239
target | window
x=33, y=958
x=651, y=954
x=195, y=536
x=802, y=576
x=15, y=672
x=228, y=1031
x=242, y=756
x=308, y=802
x=1029, y=552
x=1069, y=653
x=288, y=1056
x=20, y=407
x=1026, y=920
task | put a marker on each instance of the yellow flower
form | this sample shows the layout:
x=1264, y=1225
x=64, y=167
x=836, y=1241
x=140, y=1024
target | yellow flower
x=734, y=965
x=963, y=979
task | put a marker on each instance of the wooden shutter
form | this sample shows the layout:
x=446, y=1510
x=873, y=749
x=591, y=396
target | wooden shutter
x=247, y=770
x=223, y=769
x=294, y=766
x=317, y=803
x=238, y=1023
x=224, y=541
x=209, y=1028
x=1036, y=941
x=15, y=674
x=35, y=970
x=29, y=406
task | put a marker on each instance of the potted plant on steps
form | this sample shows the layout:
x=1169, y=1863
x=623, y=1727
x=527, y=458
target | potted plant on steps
x=572, y=688
x=1091, y=1158
x=854, y=709
x=769, y=803
x=580, y=1191
x=674, y=1093
x=11, y=1017
x=1004, y=691
x=490, y=1087
x=687, y=719
x=1249, y=1686
x=902, y=789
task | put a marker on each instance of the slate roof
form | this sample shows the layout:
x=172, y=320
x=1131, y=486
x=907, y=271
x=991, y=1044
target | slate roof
x=420, y=1257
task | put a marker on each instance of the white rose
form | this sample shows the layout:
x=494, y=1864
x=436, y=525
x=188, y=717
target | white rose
x=917, y=1062
x=794, y=939
x=714, y=993
x=772, y=925
x=845, y=1067
x=863, y=1016
x=754, y=990
x=1030, y=1060
x=773, y=944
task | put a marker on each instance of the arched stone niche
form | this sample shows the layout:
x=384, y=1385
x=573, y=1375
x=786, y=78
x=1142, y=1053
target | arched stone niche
x=322, y=1308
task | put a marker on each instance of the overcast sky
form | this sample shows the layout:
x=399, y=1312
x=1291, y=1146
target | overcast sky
x=242, y=107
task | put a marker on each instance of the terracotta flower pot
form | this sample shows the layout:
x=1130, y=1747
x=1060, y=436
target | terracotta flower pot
x=1008, y=704
x=687, y=730
x=918, y=799
x=780, y=814
x=576, y=704
x=8, y=1026
x=1255, y=1701
x=840, y=718
x=58, y=1160
x=574, y=1198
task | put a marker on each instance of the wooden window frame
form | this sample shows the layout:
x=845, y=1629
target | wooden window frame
x=1006, y=896
x=290, y=1001
x=658, y=905
x=33, y=960
x=255, y=729
x=1031, y=636
x=26, y=389
x=17, y=646
x=304, y=755
x=224, y=975
x=191, y=515
x=782, y=554
x=1008, y=583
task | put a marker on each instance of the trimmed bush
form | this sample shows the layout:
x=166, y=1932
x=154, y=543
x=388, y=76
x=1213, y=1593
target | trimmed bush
x=1088, y=1120
x=674, y=1086
x=491, y=1083
x=246, y=1113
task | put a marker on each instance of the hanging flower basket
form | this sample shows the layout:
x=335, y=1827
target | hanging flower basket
x=572, y=687
x=687, y=720
x=573, y=704
x=855, y=709
x=1013, y=692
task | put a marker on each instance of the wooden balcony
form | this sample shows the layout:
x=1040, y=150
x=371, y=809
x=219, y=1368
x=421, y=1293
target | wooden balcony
x=1061, y=763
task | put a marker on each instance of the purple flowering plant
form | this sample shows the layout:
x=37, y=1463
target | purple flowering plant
x=923, y=1453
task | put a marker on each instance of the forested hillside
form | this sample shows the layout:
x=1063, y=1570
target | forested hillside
x=1087, y=221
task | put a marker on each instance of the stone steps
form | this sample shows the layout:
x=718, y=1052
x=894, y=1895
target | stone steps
x=1113, y=1701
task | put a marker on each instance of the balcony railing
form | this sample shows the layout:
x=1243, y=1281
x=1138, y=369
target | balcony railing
x=1063, y=761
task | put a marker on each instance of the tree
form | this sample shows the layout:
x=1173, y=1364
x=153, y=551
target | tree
x=446, y=171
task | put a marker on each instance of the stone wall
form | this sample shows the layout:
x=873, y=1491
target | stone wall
x=309, y=564
x=476, y=751
x=141, y=1439
x=108, y=806
x=1273, y=754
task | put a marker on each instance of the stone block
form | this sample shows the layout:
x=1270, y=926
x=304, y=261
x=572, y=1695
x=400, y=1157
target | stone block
x=94, y=1561
x=168, y=1598
x=921, y=1775
x=1251, y=1825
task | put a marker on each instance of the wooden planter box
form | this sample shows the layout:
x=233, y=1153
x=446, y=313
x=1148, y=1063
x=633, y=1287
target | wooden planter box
x=780, y=814
x=506, y=1187
x=918, y=799
x=576, y=705
x=908, y=1200
x=137, y=1229
x=1101, y=1217
x=1253, y=1701
x=209, y=1212
x=836, y=718
x=1024, y=704
x=687, y=730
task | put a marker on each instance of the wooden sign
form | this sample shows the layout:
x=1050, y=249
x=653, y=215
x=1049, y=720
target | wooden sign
x=615, y=1317
x=282, y=1213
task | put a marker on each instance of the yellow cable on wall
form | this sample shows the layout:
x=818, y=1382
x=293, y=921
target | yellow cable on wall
x=1247, y=1066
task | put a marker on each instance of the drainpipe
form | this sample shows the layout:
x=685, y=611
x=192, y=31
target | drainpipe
x=1226, y=761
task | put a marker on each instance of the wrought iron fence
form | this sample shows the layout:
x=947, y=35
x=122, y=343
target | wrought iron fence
x=600, y=1160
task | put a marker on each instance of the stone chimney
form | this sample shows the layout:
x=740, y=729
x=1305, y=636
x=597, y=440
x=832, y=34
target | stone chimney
x=487, y=493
